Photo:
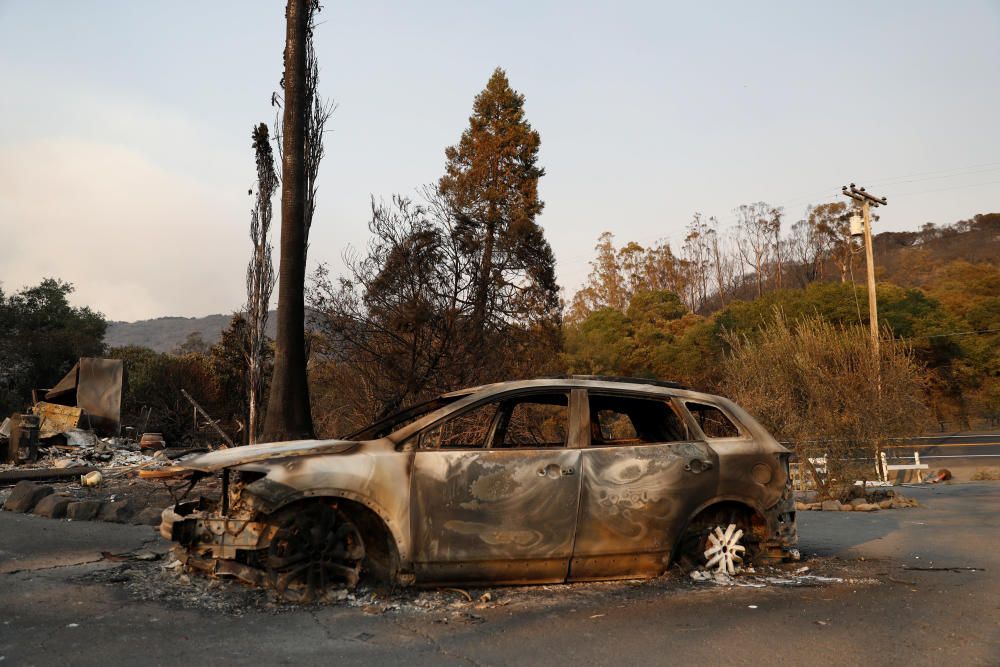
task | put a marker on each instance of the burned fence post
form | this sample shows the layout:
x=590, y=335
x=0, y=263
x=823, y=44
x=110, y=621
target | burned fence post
x=211, y=422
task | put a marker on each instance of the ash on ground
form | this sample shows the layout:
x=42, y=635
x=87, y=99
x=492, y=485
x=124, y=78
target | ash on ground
x=161, y=578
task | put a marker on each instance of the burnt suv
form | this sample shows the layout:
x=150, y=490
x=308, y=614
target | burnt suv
x=549, y=480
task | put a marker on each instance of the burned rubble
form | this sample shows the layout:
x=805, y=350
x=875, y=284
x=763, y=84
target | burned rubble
x=160, y=576
x=69, y=456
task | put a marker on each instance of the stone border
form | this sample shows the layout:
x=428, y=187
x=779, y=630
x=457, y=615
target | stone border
x=42, y=500
x=857, y=505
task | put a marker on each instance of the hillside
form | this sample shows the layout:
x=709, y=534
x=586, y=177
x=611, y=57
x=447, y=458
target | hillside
x=905, y=258
x=908, y=258
x=165, y=334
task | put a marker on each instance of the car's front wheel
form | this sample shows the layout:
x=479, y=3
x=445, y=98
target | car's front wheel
x=315, y=546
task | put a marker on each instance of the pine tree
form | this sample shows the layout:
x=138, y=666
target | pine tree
x=491, y=187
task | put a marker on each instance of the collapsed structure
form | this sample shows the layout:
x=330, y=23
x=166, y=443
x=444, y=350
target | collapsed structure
x=88, y=398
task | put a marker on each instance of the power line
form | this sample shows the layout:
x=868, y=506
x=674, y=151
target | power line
x=827, y=196
x=886, y=179
x=957, y=187
x=932, y=175
x=936, y=178
x=951, y=333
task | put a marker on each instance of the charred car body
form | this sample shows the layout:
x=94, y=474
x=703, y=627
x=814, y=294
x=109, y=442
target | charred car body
x=550, y=480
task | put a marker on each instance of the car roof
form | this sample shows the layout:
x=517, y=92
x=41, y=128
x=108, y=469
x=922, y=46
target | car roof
x=610, y=382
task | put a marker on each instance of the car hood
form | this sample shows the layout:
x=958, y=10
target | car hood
x=234, y=456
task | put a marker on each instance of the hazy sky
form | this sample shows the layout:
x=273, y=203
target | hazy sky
x=125, y=153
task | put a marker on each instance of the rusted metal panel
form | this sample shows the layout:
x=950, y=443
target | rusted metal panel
x=56, y=419
x=95, y=385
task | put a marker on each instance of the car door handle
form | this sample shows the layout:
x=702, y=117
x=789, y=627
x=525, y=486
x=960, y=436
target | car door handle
x=553, y=470
x=697, y=465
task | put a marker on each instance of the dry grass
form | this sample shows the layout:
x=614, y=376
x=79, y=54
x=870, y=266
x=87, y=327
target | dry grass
x=821, y=387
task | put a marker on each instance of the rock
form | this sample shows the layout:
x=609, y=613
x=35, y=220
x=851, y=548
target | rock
x=120, y=511
x=25, y=496
x=885, y=504
x=830, y=506
x=52, y=506
x=847, y=508
x=801, y=507
x=899, y=504
x=84, y=510
x=858, y=501
x=151, y=516
x=816, y=506
x=866, y=507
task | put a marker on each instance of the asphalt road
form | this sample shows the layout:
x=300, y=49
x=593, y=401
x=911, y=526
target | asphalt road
x=51, y=613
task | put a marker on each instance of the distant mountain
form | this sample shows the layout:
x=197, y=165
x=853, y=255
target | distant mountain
x=166, y=334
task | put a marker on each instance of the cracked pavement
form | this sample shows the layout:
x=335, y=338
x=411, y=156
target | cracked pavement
x=57, y=610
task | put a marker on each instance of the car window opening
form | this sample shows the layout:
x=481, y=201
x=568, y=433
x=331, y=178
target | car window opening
x=467, y=430
x=620, y=420
x=713, y=422
x=535, y=421
x=528, y=422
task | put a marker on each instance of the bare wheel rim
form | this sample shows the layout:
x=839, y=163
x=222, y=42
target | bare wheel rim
x=313, y=549
x=724, y=550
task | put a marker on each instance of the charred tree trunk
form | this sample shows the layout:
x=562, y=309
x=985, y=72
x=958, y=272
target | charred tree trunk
x=288, y=415
x=483, y=283
x=260, y=280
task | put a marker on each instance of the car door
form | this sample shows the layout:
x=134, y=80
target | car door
x=642, y=476
x=495, y=491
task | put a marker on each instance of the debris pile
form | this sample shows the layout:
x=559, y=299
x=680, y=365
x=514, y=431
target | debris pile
x=163, y=578
x=105, y=479
x=750, y=578
x=71, y=417
x=69, y=456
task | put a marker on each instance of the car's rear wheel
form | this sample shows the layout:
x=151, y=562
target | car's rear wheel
x=725, y=552
x=721, y=539
x=315, y=546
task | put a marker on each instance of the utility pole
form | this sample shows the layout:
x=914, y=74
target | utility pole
x=868, y=200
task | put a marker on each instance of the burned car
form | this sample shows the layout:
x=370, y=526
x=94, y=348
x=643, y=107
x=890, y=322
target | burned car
x=537, y=481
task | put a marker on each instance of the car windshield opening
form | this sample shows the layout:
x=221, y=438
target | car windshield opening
x=394, y=422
